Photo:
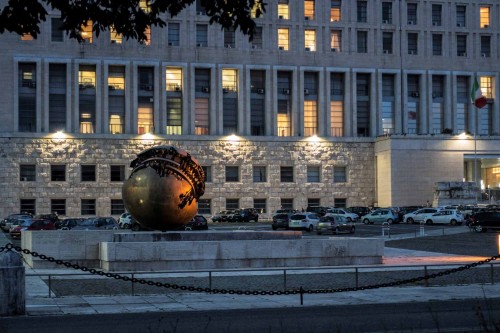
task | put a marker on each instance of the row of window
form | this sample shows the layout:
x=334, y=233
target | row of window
x=27, y=173
x=88, y=206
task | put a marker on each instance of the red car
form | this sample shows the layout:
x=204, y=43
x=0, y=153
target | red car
x=35, y=224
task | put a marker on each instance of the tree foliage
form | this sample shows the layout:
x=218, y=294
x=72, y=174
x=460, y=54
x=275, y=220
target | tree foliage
x=126, y=17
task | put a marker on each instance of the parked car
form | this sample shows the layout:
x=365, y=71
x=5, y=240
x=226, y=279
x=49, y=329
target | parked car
x=245, y=215
x=97, y=223
x=198, y=222
x=125, y=221
x=317, y=209
x=350, y=216
x=419, y=215
x=6, y=222
x=335, y=224
x=280, y=221
x=482, y=221
x=69, y=223
x=360, y=210
x=406, y=210
x=446, y=216
x=306, y=221
x=16, y=222
x=223, y=216
x=379, y=216
x=32, y=224
x=286, y=211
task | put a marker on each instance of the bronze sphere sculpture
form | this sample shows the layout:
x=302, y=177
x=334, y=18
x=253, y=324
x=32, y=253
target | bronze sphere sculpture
x=164, y=187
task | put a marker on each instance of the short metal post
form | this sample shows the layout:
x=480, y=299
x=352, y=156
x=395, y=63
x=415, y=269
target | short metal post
x=301, y=296
x=210, y=280
x=133, y=285
x=425, y=274
x=284, y=280
x=50, y=285
x=422, y=229
x=492, y=272
x=357, y=277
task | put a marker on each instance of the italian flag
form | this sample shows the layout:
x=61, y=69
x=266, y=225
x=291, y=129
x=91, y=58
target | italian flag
x=476, y=95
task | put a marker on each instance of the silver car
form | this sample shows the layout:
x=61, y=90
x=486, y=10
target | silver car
x=335, y=224
x=305, y=221
x=379, y=216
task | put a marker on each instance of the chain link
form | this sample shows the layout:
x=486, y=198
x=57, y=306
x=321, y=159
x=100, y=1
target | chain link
x=301, y=291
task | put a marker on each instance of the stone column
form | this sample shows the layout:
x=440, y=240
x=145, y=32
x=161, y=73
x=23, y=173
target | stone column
x=12, y=285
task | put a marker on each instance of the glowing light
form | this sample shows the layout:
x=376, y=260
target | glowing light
x=147, y=136
x=463, y=135
x=233, y=137
x=59, y=135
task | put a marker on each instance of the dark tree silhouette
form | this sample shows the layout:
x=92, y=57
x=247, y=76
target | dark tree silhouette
x=127, y=17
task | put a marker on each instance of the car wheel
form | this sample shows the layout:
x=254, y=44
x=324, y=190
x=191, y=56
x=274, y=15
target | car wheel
x=352, y=230
x=135, y=227
x=390, y=221
x=310, y=228
x=479, y=228
x=256, y=219
x=409, y=220
x=453, y=222
x=366, y=221
x=428, y=222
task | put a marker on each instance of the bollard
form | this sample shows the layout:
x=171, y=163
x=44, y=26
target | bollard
x=12, y=284
x=386, y=229
x=422, y=229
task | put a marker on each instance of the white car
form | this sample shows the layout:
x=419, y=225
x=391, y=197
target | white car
x=125, y=221
x=305, y=221
x=342, y=212
x=447, y=216
x=419, y=215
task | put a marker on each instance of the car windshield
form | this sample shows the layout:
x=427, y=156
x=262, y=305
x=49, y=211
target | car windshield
x=87, y=222
x=281, y=216
x=298, y=217
x=26, y=223
x=327, y=219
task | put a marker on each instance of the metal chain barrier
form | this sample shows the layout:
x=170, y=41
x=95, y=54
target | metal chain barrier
x=301, y=291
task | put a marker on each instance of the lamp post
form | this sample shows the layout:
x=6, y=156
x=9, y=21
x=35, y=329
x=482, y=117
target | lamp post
x=475, y=159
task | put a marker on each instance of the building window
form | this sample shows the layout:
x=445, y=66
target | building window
x=286, y=174
x=117, y=173
x=174, y=116
x=88, y=173
x=411, y=13
x=310, y=118
x=462, y=45
x=340, y=202
x=362, y=11
x=86, y=33
x=362, y=41
x=284, y=118
x=26, y=37
x=232, y=173
x=58, y=173
x=204, y=206
x=207, y=170
x=461, y=15
x=27, y=172
x=202, y=35
x=335, y=10
x=259, y=174
x=313, y=202
x=310, y=40
x=309, y=9
x=337, y=118
x=56, y=34
x=437, y=44
x=229, y=80
x=58, y=206
x=484, y=16
x=387, y=12
x=257, y=38
x=286, y=203
x=339, y=174
x=173, y=34
x=313, y=174
x=173, y=79
x=436, y=15
x=229, y=38
x=283, y=41
x=387, y=42
x=200, y=8
x=117, y=207
x=260, y=205
x=87, y=207
x=283, y=10
x=115, y=37
x=485, y=46
x=28, y=206
x=201, y=117
x=412, y=43
x=336, y=40
x=486, y=83
x=232, y=204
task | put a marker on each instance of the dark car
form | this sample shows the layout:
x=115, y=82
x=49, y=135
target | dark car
x=198, y=222
x=69, y=223
x=280, y=221
x=6, y=223
x=32, y=224
x=245, y=215
x=97, y=223
x=321, y=211
x=360, y=210
x=482, y=221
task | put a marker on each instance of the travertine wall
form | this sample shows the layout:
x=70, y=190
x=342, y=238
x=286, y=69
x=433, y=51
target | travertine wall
x=217, y=153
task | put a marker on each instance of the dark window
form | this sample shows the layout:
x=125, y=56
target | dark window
x=257, y=38
x=58, y=173
x=437, y=44
x=362, y=11
x=412, y=43
x=229, y=38
x=340, y=202
x=387, y=12
x=259, y=174
x=286, y=174
x=88, y=173
x=412, y=13
x=339, y=174
x=204, y=206
x=208, y=173
x=436, y=15
x=461, y=14
x=232, y=174
x=313, y=174
x=230, y=115
x=362, y=41
x=286, y=203
x=232, y=203
x=260, y=205
x=27, y=172
x=461, y=45
x=58, y=206
x=485, y=46
x=173, y=34
x=387, y=42
x=202, y=35
x=117, y=207
x=87, y=207
x=28, y=206
x=56, y=32
x=117, y=173
x=313, y=202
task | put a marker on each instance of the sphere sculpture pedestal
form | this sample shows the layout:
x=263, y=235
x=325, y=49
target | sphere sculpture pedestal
x=164, y=187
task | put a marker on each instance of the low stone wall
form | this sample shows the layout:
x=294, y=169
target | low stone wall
x=117, y=250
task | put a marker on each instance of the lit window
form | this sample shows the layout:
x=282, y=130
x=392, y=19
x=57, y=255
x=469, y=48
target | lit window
x=283, y=11
x=174, y=79
x=335, y=12
x=229, y=80
x=144, y=120
x=486, y=83
x=115, y=124
x=87, y=32
x=145, y=5
x=337, y=118
x=310, y=40
x=256, y=9
x=116, y=83
x=484, y=16
x=309, y=9
x=310, y=118
x=115, y=37
x=283, y=40
x=147, y=32
x=86, y=79
x=86, y=125
x=336, y=40
x=26, y=37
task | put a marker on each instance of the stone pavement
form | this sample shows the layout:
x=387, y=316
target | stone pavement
x=38, y=302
